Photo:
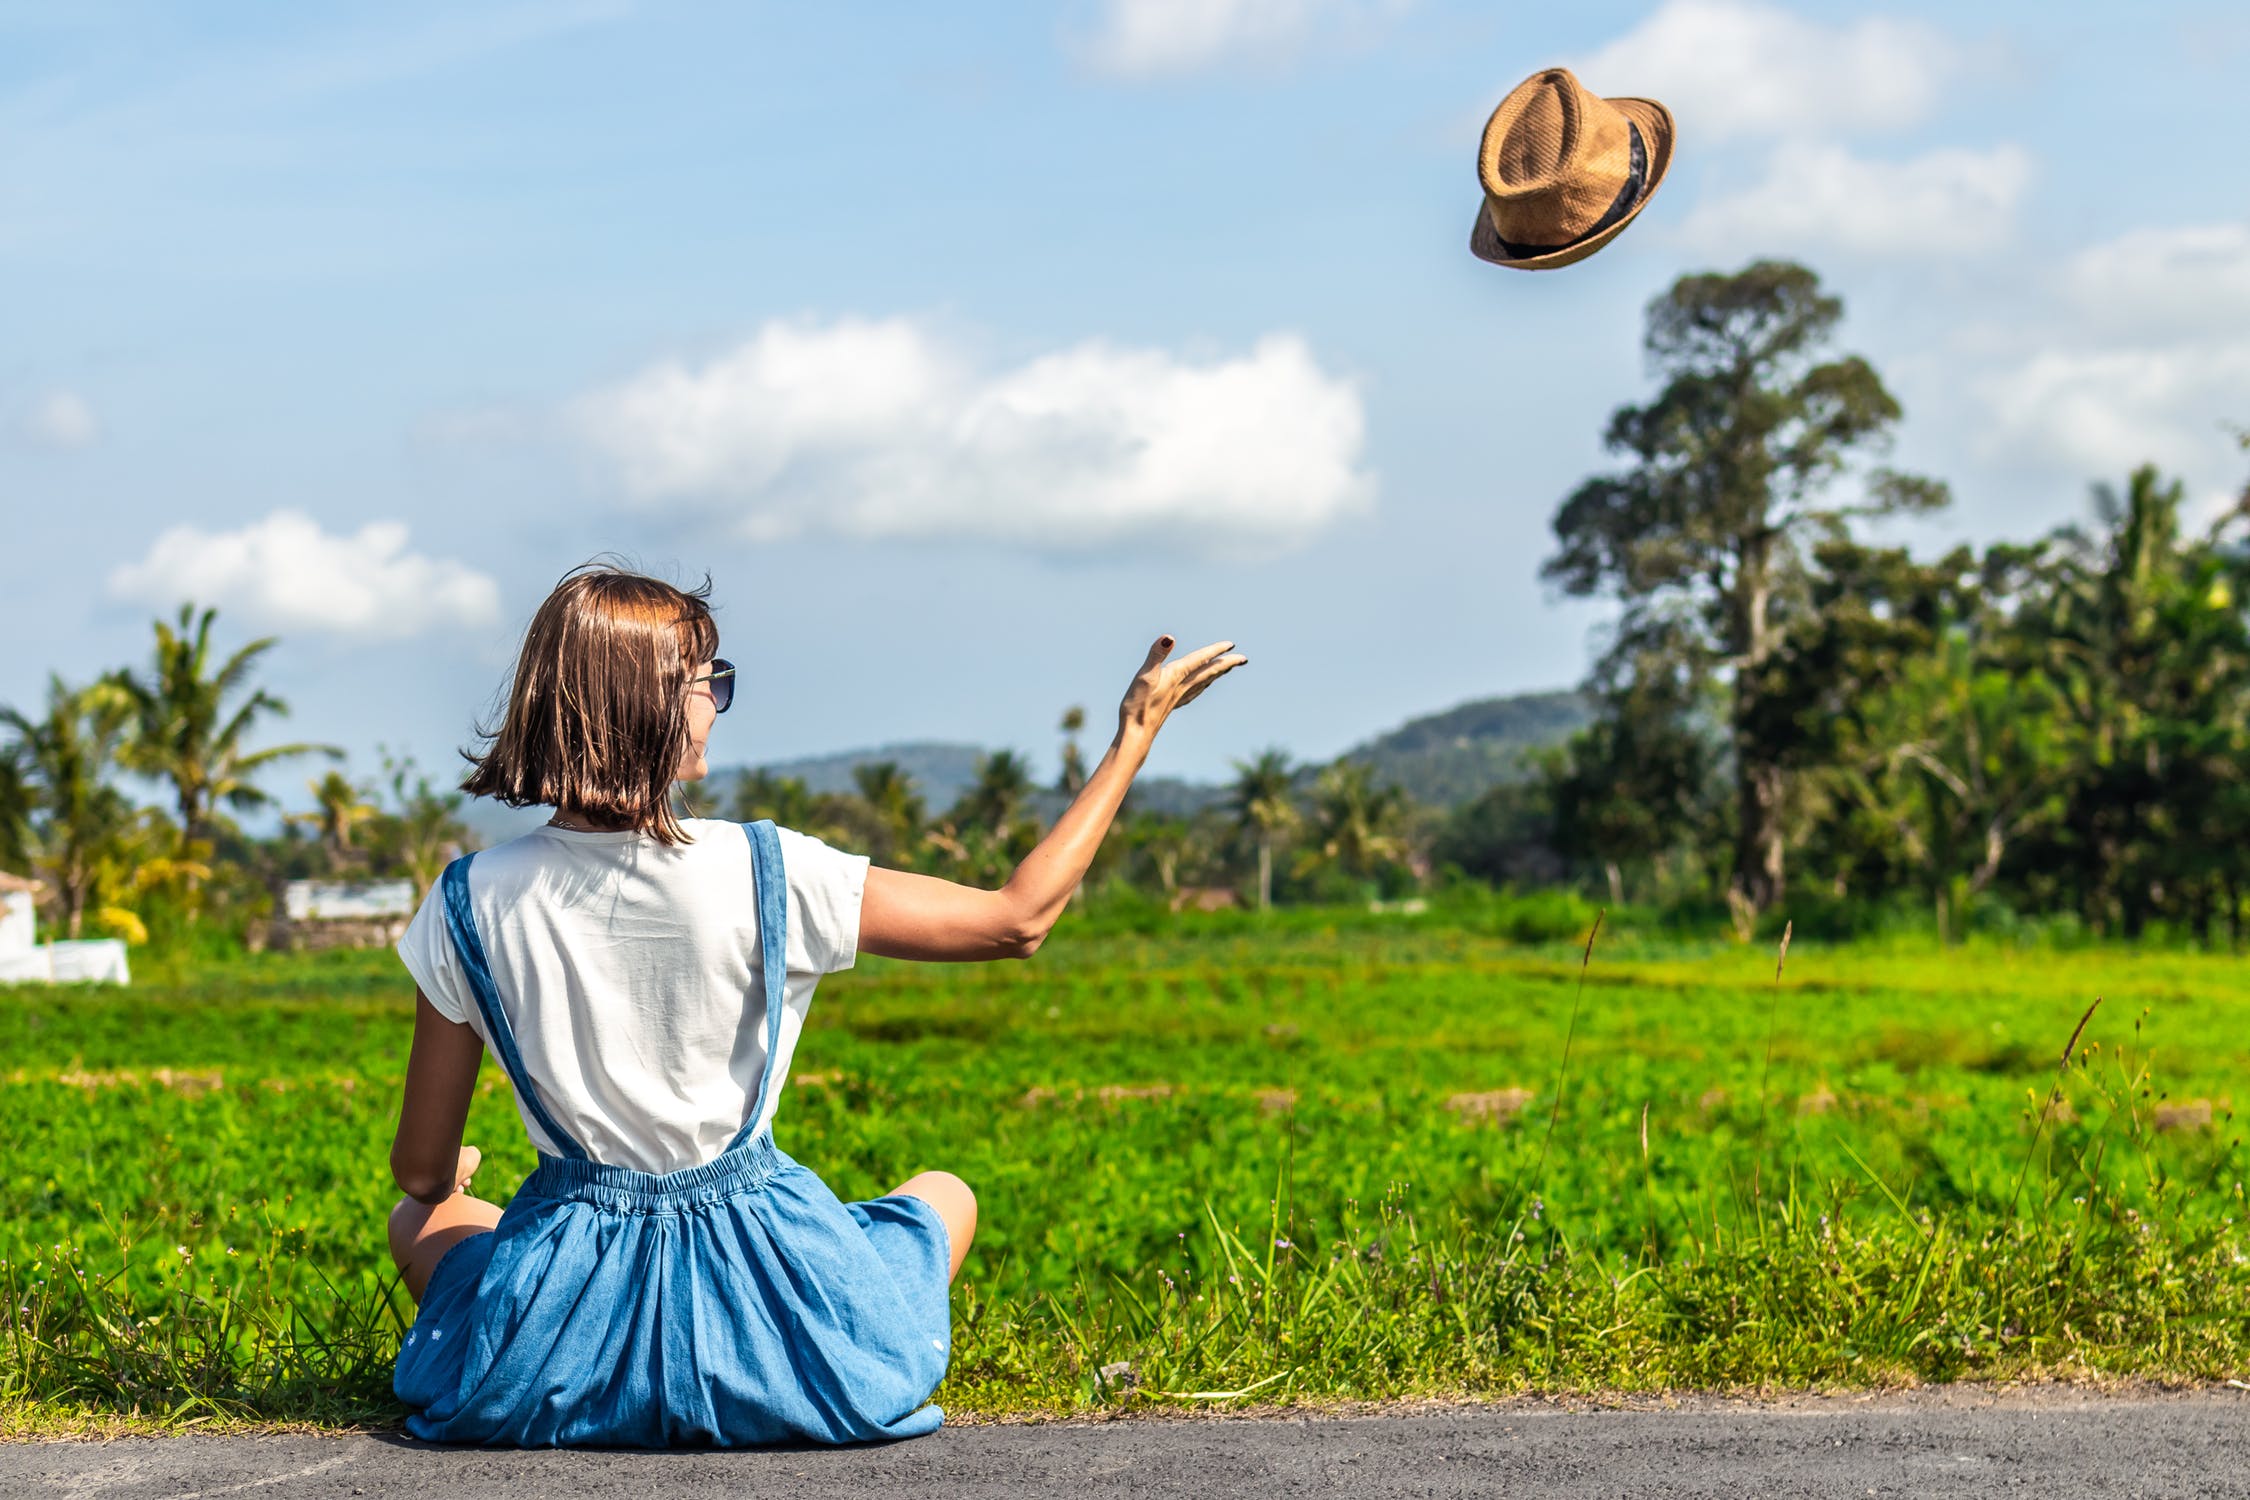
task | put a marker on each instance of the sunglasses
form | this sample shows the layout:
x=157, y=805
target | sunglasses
x=721, y=678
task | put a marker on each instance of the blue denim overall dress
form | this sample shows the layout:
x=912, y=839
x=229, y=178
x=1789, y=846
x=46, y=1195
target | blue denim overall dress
x=730, y=1304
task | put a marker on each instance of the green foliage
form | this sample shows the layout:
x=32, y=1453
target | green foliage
x=72, y=821
x=763, y=794
x=417, y=830
x=116, y=868
x=2059, y=727
x=19, y=802
x=1357, y=825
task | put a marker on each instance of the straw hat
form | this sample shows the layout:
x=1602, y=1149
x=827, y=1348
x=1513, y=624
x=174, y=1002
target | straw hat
x=1565, y=170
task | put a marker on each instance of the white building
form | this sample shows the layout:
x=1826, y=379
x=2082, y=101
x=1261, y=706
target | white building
x=26, y=960
x=342, y=914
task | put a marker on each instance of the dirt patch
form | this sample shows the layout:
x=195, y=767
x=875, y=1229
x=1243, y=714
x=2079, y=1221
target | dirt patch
x=191, y=1082
x=1118, y=1093
x=1109, y=1093
x=1497, y=1105
x=2184, y=1114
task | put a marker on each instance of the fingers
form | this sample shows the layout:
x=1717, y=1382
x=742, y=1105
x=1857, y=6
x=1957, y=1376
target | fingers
x=1191, y=674
x=1210, y=674
x=1195, y=659
x=465, y=1165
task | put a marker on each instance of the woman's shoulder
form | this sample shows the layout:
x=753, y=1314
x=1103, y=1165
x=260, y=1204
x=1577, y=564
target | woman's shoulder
x=720, y=829
x=714, y=833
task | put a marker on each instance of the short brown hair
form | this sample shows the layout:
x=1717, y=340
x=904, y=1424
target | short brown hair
x=597, y=709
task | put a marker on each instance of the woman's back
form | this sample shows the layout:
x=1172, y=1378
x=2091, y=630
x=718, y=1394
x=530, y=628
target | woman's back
x=668, y=1275
x=627, y=969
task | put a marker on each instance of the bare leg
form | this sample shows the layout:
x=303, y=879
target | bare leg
x=955, y=1204
x=421, y=1233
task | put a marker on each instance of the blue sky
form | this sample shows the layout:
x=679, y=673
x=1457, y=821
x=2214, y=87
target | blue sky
x=968, y=348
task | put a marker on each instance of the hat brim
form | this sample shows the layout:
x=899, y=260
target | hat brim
x=1655, y=122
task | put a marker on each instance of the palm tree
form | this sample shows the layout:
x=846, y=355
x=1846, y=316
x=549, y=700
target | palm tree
x=1073, y=758
x=76, y=814
x=1002, y=786
x=421, y=832
x=1356, y=824
x=18, y=798
x=893, y=803
x=1264, y=807
x=185, y=732
x=340, y=807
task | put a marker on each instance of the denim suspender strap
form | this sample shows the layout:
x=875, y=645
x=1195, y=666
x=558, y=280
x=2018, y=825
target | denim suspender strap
x=772, y=883
x=461, y=924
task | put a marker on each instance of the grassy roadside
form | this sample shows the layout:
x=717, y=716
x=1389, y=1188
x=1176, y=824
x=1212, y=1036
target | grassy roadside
x=1225, y=1170
x=1382, y=1312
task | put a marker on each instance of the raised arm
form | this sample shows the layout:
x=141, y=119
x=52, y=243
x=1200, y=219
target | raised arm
x=919, y=916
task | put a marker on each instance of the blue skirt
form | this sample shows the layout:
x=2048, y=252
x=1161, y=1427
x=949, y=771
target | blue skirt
x=733, y=1304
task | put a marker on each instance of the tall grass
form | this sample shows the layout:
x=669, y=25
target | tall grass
x=150, y=1339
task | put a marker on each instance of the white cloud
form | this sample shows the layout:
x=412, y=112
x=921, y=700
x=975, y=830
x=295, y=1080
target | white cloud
x=2141, y=354
x=1731, y=68
x=2189, y=280
x=286, y=572
x=879, y=429
x=1160, y=38
x=63, y=419
x=2104, y=412
x=1947, y=202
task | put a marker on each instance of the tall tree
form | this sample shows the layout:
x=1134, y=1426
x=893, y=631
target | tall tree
x=1702, y=537
x=1073, y=775
x=193, y=714
x=1263, y=799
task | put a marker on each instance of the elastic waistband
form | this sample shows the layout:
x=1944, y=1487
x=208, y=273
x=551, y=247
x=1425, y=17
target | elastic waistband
x=743, y=1169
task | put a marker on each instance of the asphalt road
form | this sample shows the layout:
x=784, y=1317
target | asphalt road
x=2053, y=1445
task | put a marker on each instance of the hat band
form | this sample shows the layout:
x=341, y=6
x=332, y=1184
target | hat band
x=1626, y=197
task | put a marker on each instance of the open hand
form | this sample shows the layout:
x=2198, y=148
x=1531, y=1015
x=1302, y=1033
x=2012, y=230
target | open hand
x=1162, y=685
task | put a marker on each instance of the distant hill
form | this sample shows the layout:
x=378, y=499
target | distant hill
x=1443, y=758
x=1451, y=757
x=942, y=771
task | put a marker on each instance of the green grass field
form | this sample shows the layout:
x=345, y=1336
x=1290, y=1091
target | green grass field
x=1302, y=1158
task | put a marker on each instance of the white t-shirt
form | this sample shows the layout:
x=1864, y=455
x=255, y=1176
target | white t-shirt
x=628, y=972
